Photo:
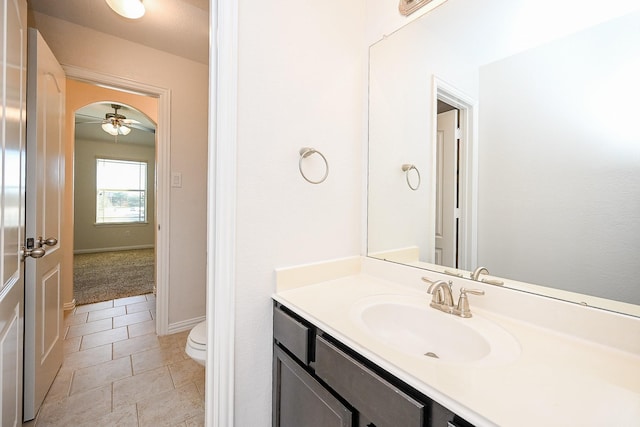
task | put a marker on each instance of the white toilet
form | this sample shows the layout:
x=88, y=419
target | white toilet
x=196, y=346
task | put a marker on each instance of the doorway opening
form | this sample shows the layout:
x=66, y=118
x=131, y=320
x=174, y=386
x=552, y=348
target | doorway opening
x=447, y=186
x=114, y=202
x=85, y=87
x=455, y=195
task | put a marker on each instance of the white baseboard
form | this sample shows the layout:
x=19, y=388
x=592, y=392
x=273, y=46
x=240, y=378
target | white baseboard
x=184, y=325
x=114, y=249
x=69, y=305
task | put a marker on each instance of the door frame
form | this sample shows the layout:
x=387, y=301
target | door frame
x=221, y=214
x=468, y=107
x=163, y=182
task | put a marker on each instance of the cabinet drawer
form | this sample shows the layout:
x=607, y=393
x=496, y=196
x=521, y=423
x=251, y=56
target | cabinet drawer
x=291, y=334
x=380, y=401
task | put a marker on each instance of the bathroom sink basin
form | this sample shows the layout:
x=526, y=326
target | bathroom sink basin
x=408, y=325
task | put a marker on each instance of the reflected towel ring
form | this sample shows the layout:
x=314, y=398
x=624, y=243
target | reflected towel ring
x=306, y=152
x=407, y=168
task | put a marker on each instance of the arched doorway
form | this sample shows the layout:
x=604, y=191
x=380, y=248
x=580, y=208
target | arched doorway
x=114, y=203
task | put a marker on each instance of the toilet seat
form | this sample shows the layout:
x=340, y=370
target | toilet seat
x=196, y=346
x=198, y=336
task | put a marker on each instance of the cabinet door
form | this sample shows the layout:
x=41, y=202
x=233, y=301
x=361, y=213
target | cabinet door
x=300, y=400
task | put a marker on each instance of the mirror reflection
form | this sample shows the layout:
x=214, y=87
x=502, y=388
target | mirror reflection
x=519, y=120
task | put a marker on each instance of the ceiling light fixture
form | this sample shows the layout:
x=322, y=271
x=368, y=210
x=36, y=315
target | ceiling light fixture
x=114, y=128
x=132, y=9
x=114, y=123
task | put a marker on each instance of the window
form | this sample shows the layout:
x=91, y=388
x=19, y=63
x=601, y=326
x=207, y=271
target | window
x=121, y=189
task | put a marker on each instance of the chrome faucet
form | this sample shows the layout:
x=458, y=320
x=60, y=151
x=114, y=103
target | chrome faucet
x=442, y=298
x=478, y=271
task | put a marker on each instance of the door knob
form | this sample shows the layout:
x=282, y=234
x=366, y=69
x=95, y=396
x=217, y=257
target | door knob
x=33, y=253
x=51, y=241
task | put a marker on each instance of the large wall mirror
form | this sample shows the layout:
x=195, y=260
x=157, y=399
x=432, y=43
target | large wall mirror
x=519, y=117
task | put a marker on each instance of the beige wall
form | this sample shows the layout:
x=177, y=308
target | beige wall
x=187, y=82
x=89, y=237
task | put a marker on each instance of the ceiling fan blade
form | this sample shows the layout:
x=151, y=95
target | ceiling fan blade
x=83, y=118
x=141, y=127
x=89, y=123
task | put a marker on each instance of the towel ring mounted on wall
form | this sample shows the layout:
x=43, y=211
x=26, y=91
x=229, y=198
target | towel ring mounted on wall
x=407, y=168
x=306, y=152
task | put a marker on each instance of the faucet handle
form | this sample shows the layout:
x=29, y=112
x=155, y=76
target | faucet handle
x=463, y=302
x=464, y=291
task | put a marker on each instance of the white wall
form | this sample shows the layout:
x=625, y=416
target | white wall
x=301, y=83
x=188, y=81
x=89, y=237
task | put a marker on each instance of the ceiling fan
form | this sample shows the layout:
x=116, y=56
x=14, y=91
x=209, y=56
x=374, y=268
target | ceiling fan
x=114, y=123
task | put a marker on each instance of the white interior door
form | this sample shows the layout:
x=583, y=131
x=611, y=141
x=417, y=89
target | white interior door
x=446, y=189
x=13, y=45
x=45, y=183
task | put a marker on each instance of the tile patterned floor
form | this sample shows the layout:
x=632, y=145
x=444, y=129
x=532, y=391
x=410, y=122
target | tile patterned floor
x=118, y=372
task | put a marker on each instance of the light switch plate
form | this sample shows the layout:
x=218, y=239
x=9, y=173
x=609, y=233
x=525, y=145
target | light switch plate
x=176, y=179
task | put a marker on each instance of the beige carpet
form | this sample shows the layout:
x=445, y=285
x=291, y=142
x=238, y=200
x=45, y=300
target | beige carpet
x=109, y=275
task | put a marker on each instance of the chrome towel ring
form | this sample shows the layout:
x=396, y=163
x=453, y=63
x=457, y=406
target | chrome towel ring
x=306, y=152
x=407, y=168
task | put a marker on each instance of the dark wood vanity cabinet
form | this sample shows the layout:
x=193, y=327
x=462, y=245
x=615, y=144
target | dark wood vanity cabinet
x=319, y=382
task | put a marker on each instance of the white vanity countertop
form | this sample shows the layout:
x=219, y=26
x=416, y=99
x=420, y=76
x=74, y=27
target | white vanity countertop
x=558, y=380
